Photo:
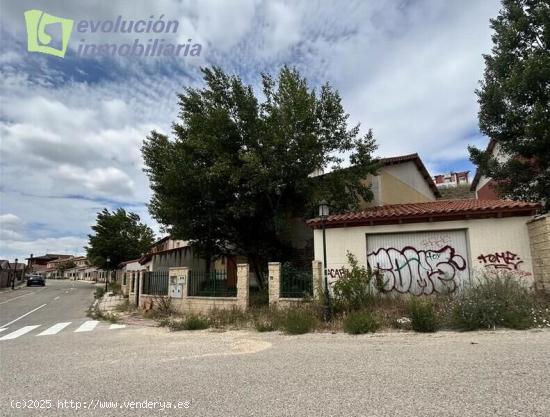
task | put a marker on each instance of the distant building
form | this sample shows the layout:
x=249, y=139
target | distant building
x=452, y=179
x=39, y=264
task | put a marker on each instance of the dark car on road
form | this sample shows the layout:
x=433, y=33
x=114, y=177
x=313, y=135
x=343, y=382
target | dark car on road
x=35, y=280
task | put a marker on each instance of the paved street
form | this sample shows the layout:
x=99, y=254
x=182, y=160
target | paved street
x=239, y=373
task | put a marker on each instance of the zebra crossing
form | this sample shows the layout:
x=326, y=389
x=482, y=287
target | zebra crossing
x=87, y=326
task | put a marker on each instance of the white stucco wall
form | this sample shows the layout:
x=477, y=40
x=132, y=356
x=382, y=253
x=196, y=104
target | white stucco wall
x=483, y=237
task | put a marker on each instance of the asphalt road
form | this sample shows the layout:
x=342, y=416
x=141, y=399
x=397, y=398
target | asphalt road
x=239, y=373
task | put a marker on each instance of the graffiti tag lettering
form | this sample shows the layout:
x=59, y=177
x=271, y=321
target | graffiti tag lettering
x=502, y=260
x=417, y=272
x=336, y=273
x=435, y=242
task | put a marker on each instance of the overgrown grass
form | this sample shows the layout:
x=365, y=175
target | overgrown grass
x=360, y=322
x=232, y=318
x=423, y=316
x=298, y=320
x=494, y=301
x=189, y=322
x=99, y=292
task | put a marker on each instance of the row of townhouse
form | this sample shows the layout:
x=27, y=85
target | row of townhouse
x=61, y=266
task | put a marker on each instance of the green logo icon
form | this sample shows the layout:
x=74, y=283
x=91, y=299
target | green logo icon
x=37, y=38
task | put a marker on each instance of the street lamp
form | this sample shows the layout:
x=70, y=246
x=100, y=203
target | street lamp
x=323, y=214
x=14, y=275
x=108, y=260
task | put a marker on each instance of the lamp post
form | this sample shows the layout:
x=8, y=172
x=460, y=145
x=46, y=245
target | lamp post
x=108, y=260
x=323, y=214
x=14, y=274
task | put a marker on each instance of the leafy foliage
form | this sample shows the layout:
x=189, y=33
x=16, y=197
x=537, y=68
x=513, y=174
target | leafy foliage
x=355, y=289
x=298, y=320
x=499, y=300
x=423, y=316
x=238, y=169
x=515, y=101
x=118, y=235
x=360, y=322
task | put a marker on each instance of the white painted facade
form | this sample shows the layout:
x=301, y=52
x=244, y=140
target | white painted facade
x=490, y=244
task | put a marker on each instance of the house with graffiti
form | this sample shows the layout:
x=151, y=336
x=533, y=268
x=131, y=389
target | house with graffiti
x=430, y=247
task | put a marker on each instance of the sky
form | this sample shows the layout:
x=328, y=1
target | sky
x=71, y=128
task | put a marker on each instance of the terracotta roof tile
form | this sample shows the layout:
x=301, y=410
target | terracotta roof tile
x=432, y=210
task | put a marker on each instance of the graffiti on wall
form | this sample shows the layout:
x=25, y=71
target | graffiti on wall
x=418, y=271
x=336, y=273
x=505, y=260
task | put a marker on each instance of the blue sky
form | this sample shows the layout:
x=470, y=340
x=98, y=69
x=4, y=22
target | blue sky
x=71, y=128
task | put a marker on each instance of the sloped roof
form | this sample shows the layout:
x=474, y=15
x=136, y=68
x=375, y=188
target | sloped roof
x=430, y=211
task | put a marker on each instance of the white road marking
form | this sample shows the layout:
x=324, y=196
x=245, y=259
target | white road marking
x=19, y=332
x=24, y=315
x=56, y=298
x=56, y=328
x=15, y=298
x=116, y=326
x=1, y=330
x=87, y=326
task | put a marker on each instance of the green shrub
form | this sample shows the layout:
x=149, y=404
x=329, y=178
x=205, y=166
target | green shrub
x=360, y=322
x=189, y=322
x=498, y=300
x=298, y=320
x=354, y=290
x=423, y=316
x=99, y=292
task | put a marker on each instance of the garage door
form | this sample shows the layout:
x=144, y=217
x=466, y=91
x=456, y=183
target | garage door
x=420, y=262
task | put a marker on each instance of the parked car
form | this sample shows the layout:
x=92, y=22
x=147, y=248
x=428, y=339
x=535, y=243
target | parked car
x=36, y=280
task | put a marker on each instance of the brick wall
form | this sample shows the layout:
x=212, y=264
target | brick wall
x=539, y=238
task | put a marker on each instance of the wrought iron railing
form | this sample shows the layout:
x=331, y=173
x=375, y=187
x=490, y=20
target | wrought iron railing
x=155, y=283
x=213, y=284
x=296, y=283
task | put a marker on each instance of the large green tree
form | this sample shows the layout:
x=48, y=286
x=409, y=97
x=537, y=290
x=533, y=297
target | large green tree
x=238, y=168
x=515, y=101
x=119, y=236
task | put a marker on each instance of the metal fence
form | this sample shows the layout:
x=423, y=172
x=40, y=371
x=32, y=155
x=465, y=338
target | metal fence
x=296, y=282
x=213, y=284
x=155, y=283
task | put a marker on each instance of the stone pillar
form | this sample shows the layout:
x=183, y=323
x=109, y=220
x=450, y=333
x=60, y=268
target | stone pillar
x=274, y=283
x=317, y=269
x=539, y=239
x=243, y=285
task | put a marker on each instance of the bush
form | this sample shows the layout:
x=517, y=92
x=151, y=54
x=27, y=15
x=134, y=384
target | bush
x=354, y=290
x=423, y=316
x=190, y=322
x=99, y=292
x=360, y=322
x=298, y=320
x=498, y=300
